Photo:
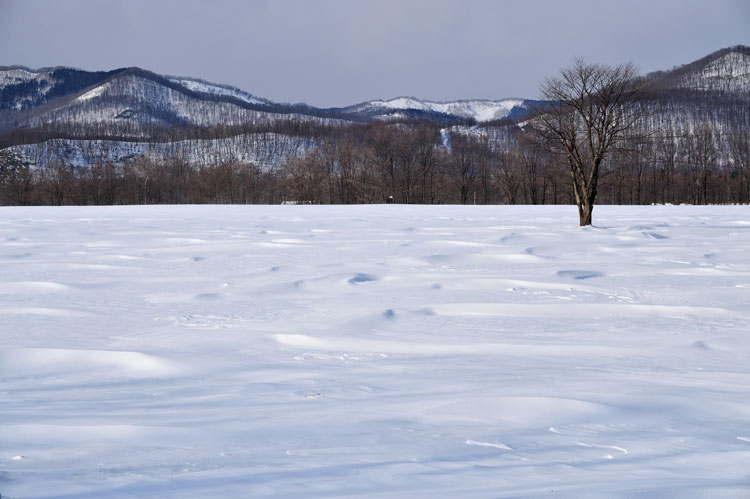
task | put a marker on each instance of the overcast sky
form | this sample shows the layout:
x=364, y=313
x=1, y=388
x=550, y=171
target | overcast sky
x=341, y=52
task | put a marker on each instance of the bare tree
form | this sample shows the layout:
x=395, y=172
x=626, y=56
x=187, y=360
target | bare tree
x=305, y=180
x=740, y=151
x=590, y=108
x=668, y=150
x=463, y=164
x=16, y=181
x=509, y=176
x=702, y=159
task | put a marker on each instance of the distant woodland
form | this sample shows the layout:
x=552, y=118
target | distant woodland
x=405, y=162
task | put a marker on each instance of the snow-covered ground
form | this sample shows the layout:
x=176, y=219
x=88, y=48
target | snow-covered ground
x=374, y=351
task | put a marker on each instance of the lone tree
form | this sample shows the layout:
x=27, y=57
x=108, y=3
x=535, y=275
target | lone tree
x=590, y=109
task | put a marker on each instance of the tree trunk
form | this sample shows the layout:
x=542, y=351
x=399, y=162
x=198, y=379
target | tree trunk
x=585, y=211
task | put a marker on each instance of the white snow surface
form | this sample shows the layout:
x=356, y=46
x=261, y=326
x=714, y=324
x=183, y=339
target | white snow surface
x=212, y=88
x=480, y=110
x=94, y=92
x=374, y=351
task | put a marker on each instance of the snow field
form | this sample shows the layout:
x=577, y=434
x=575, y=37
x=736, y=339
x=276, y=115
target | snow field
x=380, y=351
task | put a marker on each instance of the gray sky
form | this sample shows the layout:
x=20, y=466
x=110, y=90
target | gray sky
x=341, y=52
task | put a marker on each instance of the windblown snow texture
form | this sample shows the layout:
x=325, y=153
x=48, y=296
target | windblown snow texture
x=389, y=351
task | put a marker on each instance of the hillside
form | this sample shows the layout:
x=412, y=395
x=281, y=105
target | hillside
x=726, y=70
x=130, y=102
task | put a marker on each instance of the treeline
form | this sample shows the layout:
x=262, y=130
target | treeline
x=138, y=182
x=422, y=164
x=407, y=162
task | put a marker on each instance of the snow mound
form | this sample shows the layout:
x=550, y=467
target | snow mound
x=16, y=362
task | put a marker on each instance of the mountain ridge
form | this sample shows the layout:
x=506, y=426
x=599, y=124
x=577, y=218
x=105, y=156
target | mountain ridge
x=131, y=105
x=709, y=69
x=24, y=93
x=737, y=55
x=19, y=94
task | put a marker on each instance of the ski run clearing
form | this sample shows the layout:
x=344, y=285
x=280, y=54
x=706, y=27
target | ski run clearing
x=374, y=351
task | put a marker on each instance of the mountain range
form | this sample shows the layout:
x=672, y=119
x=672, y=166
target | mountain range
x=34, y=97
x=56, y=113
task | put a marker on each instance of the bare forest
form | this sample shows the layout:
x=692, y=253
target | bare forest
x=410, y=162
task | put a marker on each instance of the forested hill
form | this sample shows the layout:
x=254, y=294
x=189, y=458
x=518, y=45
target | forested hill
x=726, y=70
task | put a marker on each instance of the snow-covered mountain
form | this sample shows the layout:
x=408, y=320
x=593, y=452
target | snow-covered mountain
x=136, y=99
x=478, y=110
x=726, y=70
x=134, y=106
x=15, y=77
x=141, y=98
x=22, y=88
x=130, y=102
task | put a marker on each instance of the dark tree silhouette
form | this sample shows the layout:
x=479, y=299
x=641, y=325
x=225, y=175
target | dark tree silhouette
x=590, y=109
